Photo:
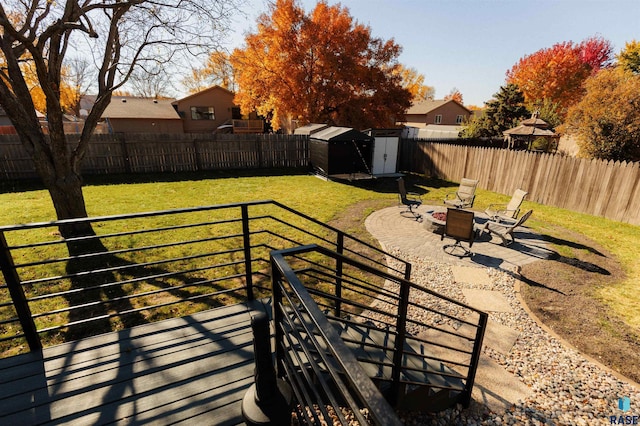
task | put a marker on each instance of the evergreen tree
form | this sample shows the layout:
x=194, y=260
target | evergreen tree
x=503, y=112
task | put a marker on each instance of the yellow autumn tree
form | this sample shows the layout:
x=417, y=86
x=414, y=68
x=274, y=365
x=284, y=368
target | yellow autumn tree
x=414, y=83
x=68, y=94
x=319, y=67
x=216, y=71
x=606, y=121
x=629, y=57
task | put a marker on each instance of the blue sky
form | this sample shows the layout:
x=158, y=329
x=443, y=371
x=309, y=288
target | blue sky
x=470, y=44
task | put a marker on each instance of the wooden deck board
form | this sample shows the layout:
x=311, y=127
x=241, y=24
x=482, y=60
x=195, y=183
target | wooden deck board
x=187, y=369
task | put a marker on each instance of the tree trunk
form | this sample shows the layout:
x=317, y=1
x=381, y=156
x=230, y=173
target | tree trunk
x=64, y=183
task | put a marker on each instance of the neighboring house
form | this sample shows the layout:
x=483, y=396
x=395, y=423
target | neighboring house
x=205, y=111
x=6, y=127
x=438, y=112
x=141, y=115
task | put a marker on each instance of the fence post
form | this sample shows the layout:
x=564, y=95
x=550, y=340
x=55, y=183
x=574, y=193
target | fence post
x=247, y=251
x=17, y=295
x=196, y=150
x=259, y=151
x=401, y=328
x=125, y=152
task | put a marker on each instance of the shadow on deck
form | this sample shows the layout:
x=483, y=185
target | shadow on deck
x=172, y=371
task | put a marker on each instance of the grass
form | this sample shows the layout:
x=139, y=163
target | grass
x=324, y=200
x=622, y=240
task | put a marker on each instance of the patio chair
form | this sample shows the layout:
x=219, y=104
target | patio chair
x=459, y=226
x=507, y=212
x=409, y=199
x=465, y=195
x=505, y=230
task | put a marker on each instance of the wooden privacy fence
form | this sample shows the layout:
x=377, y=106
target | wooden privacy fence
x=602, y=188
x=142, y=153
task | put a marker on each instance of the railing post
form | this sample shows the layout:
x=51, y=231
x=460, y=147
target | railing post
x=17, y=295
x=340, y=250
x=398, y=350
x=475, y=359
x=248, y=268
x=277, y=315
x=407, y=271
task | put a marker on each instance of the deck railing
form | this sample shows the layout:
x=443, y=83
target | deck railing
x=144, y=267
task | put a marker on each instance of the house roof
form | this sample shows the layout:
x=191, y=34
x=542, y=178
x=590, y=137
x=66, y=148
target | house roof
x=203, y=91
x=130, y=107
x=425, y=107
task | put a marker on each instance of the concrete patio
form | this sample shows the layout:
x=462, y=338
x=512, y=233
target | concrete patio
x=395, y=230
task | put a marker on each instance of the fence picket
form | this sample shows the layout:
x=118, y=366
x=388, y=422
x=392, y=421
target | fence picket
x=601, y=188
x=606, y=189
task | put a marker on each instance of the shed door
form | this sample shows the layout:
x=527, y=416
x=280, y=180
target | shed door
x=385, y=155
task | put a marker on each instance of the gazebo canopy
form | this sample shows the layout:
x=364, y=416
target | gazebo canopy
x=529, y=130
x=524, y=130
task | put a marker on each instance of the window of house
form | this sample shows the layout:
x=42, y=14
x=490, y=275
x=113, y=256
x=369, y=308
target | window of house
x=202, y=113
x=459, y=119
x=438, y=119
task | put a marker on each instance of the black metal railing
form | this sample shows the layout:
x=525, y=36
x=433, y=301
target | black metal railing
x=144, y=267
x=328, y=382
x=404, y=335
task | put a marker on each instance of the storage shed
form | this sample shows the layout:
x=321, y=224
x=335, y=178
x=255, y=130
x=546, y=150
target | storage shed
x=385, y=151
x=341, y=152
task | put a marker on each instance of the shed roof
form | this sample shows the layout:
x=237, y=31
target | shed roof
x=340, y=134
x=131, y=107
x=310, y=128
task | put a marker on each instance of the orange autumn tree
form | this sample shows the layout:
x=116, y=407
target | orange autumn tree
x=319, y=67
x=556, y=75
x=454, y=95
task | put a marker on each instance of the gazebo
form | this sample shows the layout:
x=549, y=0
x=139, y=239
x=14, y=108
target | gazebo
x=528, y=131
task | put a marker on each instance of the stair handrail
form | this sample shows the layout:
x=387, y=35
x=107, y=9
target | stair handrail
x=347, y=366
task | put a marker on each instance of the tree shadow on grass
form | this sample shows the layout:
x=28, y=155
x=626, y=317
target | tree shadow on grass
x=106, y=294
x=573, y=245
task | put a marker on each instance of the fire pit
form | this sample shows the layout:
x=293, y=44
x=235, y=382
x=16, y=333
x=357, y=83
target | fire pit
x=435, y=220
x=440, y=216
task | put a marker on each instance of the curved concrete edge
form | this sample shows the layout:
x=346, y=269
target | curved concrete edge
x=517, y=289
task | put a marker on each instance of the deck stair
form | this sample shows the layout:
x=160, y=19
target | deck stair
x=414, y=373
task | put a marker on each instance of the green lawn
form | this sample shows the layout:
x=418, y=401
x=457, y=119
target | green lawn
x=323, y=200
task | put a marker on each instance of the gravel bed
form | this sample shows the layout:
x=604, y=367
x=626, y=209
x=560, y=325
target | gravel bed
x=567, y=389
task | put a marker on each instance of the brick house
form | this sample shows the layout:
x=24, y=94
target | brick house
x=437, y=112
x=205, y=111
